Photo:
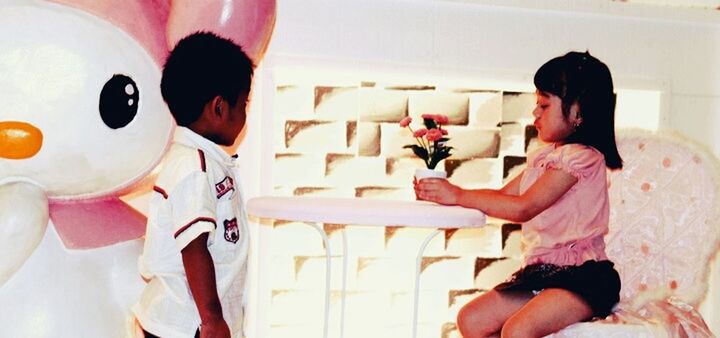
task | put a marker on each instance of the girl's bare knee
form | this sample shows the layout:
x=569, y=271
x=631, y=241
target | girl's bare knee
x=516, y=327
x=472, y=323
x=462, y=318
x=464, y=322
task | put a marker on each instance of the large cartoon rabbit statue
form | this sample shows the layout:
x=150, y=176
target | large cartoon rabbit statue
x=82, y=122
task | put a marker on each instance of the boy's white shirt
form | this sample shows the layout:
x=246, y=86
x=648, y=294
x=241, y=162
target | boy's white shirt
x=197, y=191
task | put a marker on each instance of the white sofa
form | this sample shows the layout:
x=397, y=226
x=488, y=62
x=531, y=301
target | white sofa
x=664, y=233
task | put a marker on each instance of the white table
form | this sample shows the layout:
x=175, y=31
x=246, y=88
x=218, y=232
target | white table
x=363, y=211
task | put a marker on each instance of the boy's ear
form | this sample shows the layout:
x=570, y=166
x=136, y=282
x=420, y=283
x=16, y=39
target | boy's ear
x=217, y=105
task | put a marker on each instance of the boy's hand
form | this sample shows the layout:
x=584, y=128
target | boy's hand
x=437, y=190
x=217, y=328
x=200, y=272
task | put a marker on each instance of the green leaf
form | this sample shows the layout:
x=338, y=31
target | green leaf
x=438, y=155
x=429, y=123
x=418, y=150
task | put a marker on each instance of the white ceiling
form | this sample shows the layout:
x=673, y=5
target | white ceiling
x=705, y=4
x=698, y=11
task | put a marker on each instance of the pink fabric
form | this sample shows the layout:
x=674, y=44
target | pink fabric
x=84, y=224
x=247, y=22
x=143, y=20
x=570, y=231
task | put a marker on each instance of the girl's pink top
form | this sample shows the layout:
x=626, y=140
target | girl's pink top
x=571, y=230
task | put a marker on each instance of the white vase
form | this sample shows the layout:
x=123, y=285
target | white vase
x=429, y=173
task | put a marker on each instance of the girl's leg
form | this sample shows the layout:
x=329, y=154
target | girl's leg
x=485, y=315
x=549, y=312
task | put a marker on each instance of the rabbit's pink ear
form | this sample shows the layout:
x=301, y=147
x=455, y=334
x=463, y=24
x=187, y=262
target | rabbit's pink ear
x=144, y=20
x=247, y=22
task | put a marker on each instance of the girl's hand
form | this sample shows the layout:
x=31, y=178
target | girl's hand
x=437, y=190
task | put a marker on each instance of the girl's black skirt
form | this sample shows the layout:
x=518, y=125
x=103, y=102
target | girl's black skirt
x=596, y=282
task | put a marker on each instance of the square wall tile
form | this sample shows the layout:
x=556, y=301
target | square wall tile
x=368, y=139
x=470, y=142
x=345, y=170
x=316, y=136
x=292, y=170
x=381, y=105
x=294, y=101
x=512, y=139
x=518, y=107
x=336, y=103
x=474, y=242
x=486, y=109
x=475, y=173
x=455, y=105
x=393, y=139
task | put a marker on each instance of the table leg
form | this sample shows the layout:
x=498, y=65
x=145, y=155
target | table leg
x=344, y=284
x=327, y=275
x=418, y=266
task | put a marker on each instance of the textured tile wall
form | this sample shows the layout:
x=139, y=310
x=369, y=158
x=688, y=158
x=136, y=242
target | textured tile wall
x=346, y=141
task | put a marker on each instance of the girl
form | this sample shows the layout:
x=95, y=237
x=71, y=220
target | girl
x=562, y=200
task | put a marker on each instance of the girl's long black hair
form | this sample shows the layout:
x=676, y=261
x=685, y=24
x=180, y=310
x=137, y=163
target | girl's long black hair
x=582, y=78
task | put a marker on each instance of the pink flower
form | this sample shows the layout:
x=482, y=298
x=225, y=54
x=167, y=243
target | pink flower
x=441, y=119
x=434, y=135
x=430, y=145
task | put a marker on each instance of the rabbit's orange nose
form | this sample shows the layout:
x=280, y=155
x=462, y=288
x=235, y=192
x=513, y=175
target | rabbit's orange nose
x=19, y=140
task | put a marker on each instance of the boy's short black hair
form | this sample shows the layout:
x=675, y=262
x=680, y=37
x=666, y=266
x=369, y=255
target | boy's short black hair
x=583, y=79
x=201, y=66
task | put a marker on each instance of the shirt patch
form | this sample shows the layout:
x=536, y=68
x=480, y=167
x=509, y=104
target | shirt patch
x=225, y=186
x=232, y=233
x=161, y=191
x=202, y=160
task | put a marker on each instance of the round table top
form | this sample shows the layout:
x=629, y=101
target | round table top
x=364, y=211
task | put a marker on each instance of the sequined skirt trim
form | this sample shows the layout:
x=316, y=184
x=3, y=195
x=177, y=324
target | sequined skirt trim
x=597, y=282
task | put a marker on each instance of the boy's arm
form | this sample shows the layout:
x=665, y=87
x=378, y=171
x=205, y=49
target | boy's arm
x=200, y=272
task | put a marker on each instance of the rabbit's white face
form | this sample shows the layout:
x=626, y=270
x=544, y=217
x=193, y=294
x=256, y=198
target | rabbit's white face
x=80, y=102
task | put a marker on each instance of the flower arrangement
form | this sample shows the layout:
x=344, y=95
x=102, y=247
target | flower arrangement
x=431, y=141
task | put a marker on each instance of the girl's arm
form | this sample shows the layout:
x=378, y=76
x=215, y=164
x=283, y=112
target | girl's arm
x=512, y=187
x=506, y=203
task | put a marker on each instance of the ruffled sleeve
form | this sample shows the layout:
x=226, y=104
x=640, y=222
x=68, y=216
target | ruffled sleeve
x=536, y=157
x=576, y=159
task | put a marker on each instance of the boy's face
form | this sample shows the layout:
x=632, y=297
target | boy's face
x=236, y=119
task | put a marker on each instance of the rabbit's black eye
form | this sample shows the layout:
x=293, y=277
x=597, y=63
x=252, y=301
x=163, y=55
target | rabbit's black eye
x=119, y=101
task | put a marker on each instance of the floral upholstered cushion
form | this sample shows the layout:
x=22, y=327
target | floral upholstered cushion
x=663, y=233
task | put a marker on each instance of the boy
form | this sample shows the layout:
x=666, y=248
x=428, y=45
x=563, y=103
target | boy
x=196, y=244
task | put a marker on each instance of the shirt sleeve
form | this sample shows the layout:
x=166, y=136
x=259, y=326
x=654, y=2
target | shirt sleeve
x=193, y=209
x=536, y=156
x=576, y=159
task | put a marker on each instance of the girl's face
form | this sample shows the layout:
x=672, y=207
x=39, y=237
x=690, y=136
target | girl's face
x=551, y=124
